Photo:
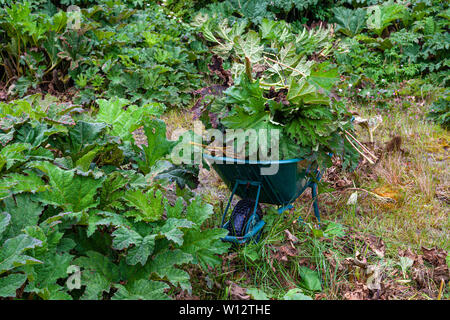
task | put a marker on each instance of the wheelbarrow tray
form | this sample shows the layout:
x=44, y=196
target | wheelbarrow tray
x=282, y=188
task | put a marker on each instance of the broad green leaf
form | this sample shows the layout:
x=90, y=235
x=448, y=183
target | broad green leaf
x=98, y=274
x=198, y=211
x=182, y=175
x=205, y=246
x=5, y=219
x=302, y=92
x=84, y=136
x=141, y=251
x=12, y=154
x=157, y=144
x=257, y=294
x=296, y=294
x=53, y=268
x=53, y=292
x=310, y=279
x=171, y=229
x=24, y=212
x=380, y=17
x=247, y=94
x=350, y=22
x=27, y=182
x=242, y=120
x=11, y=252
x=163, y=264
x=104, y=218
x=125, y=237
x=34, y=134
x=143, y=246
x=85, y=161
x=10, y=283
x=150, y=205
x=323, y=77
x=124, y=122
x=67, y=190
x=142, y=290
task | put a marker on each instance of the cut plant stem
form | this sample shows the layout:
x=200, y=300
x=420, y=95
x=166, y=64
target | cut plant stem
x=212, y=148
x=362, y=154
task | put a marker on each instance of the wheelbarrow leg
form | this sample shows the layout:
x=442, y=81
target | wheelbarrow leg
x=229, y=203
x=315, y=204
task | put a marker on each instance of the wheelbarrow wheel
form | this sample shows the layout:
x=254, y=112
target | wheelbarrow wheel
x=240, y=216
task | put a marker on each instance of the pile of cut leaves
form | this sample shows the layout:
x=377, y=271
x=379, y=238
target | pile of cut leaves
x=271, y=81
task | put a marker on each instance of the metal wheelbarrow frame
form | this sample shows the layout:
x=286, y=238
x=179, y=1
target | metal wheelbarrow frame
x=244, y=179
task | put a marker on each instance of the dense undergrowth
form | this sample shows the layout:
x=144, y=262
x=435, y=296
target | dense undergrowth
x=86, y=187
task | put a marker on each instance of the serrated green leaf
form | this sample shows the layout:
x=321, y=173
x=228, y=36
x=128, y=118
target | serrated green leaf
x=5, y=219
x=163, y=264
x=205, y=246
x=67, y=190
x=157, y=144
x=24, y=212
x=104, y=218
x=171, y=229
x=198, y=211
x=142, y=290
x=150, y=204
x=124, y=122
x=11, y=252
x=84, y=134
x=98, y=276
x=28, y=182
x=141, y=251
x=10, y=283
x=125, y=237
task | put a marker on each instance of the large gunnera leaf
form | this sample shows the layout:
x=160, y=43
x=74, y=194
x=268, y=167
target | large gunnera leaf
x=68, y=190
x=12, y=252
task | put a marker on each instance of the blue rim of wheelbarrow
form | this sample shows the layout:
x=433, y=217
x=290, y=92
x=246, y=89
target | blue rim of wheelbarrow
x=262, y=162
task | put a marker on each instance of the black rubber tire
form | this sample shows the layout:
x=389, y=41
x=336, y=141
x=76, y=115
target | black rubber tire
x=240, y=215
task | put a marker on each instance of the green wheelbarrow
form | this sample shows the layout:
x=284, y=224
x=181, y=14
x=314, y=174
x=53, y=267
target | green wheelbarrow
x=244, y=178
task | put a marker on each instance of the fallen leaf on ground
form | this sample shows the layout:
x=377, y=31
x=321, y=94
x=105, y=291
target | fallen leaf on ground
x=237, y=292
x=374, y=273
x=290, y=236
x=282, y=253
x=435, y=256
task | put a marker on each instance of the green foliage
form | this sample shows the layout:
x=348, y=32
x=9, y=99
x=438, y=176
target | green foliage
x=409, y=41
x=257, y=10
x=350, y=22
x=51, y=49
x=439, y=112
x=382, y=16
x=62, y=205
x=292, y=96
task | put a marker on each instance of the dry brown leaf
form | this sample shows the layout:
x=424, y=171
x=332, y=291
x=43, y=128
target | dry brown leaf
x=290, y=236
x=282, y=253
x=435, y=256
x=237, y=292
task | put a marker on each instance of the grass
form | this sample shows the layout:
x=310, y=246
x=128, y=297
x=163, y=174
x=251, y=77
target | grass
x=418, y=218
x=416, y=177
